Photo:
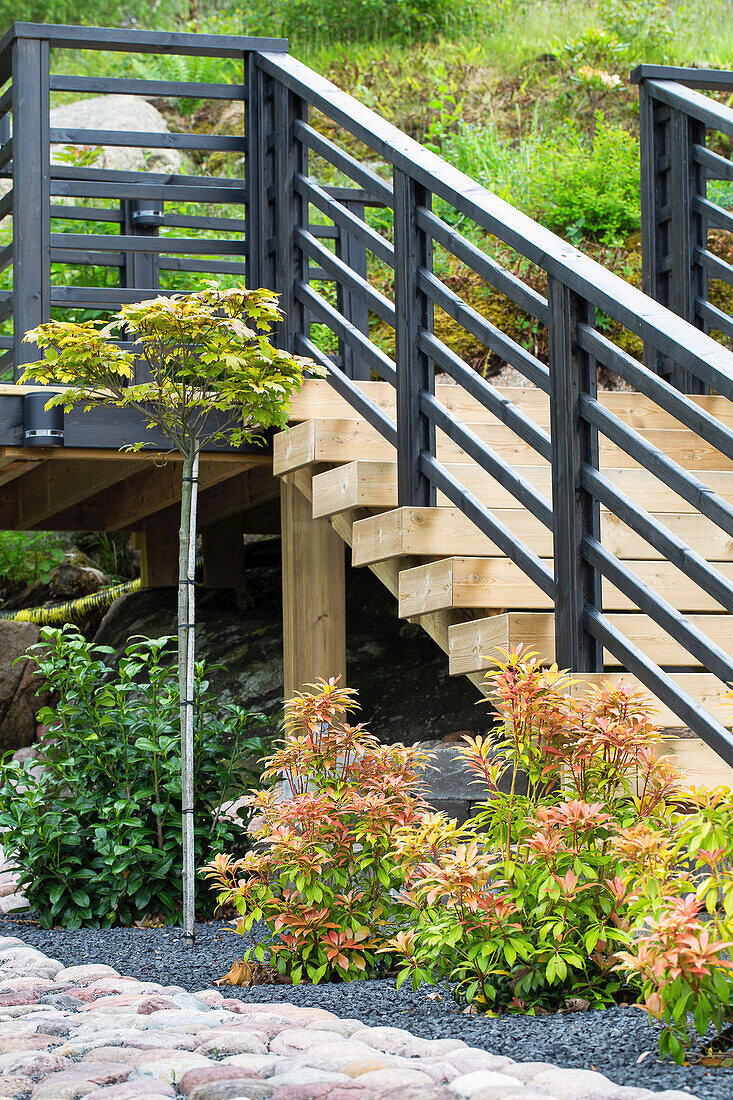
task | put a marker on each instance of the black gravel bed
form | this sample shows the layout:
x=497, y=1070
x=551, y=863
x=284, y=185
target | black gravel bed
x=620, y=1042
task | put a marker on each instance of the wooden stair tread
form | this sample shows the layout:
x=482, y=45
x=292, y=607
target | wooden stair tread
x=367, y=483
x=473, y=642
x=318, y=398
x=470, y=582
x=445, y=531
x=340, y=440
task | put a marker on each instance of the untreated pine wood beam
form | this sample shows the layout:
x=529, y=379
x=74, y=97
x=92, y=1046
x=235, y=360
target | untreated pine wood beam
x=50, y=489
x=158, y=544
x=314, y=606
x=151, y=491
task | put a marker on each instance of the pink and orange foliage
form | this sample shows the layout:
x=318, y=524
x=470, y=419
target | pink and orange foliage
x=584, y=874
x=322, y=877
x=528, y=906
x=683, y=909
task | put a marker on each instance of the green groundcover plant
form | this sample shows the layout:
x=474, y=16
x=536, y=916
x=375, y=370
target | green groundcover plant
x=581, y=882
x=94, y=823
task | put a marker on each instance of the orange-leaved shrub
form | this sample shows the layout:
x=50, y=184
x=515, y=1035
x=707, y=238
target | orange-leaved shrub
x=589, y=874
x=683, y=910
x=324, y=877
x=527, y=905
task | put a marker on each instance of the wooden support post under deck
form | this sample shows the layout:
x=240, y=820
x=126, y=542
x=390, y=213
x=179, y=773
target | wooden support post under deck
x=314, y=611
x=157, y=541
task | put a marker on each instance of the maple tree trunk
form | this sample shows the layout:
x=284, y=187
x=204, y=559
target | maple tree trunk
x=186, y=659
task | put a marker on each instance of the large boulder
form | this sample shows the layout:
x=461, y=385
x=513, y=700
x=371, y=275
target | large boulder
x=404, y=688
x=19, y=698
x=128, y=113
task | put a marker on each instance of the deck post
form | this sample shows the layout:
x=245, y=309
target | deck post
x=32, y=188
x=672, y=229
x=575, y=512
x=314, y=606
x=291, y=264
x=415, y=370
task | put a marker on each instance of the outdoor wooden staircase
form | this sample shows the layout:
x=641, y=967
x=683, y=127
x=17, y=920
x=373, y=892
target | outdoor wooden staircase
x=469, y=597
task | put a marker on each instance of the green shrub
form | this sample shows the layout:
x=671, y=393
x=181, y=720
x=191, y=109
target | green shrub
x=576, y=185
x=587, y=187
x=26, y=556
x=96, y=828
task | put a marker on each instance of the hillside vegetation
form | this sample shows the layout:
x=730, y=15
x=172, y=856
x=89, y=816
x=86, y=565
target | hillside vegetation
x=530, y=98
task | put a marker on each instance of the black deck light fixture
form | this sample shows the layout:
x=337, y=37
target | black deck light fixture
x=42, y=427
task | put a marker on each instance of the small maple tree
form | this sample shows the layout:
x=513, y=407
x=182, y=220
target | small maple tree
x=202, y=371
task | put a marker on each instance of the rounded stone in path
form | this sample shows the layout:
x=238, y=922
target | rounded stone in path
x=32, y=1063
x=323, y=1090
x=467, y=1085
x=246, y=1042
x=344, y=1027
x=192, y=1078
x=379, y=1080
x=13, y=1085
x=172, y=1068
x=86, y=973
x=420, y=1092
x=223, y=1090
x=390, y=1040
x=574, y=1084
x=298, y=1040
x=133, y=1090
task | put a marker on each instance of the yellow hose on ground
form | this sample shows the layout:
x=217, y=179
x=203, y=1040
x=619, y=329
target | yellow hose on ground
x=73, y=610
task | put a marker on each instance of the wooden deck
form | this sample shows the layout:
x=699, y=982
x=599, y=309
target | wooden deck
x=337, y=479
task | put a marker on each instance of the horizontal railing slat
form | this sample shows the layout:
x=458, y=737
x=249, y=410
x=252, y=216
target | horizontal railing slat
x=115, y=85
x=482, y=264
x=715, y=317
x=345, y=275
x=116, y=243
x=492, y=399
x=370, y=181
x=145, y=139
x=343, y=217
x=326, y=313
x=492, y=337
x=718, y=167
x=714, y=265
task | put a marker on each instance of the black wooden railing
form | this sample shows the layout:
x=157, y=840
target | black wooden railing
x=357, y=226
x=424, y=194
x=684, y=139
